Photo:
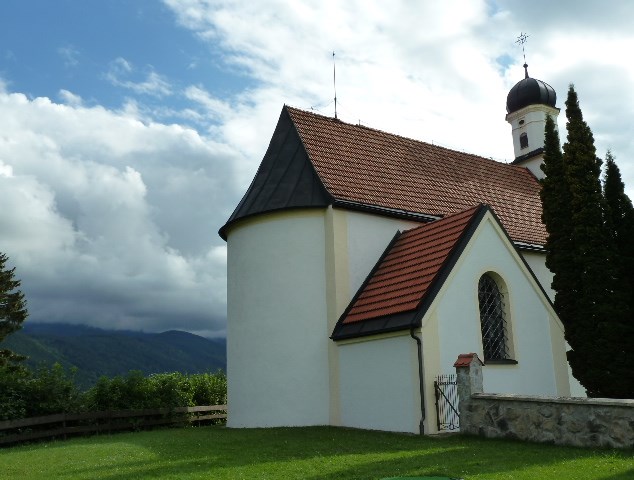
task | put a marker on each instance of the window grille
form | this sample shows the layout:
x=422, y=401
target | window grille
x=492, y=319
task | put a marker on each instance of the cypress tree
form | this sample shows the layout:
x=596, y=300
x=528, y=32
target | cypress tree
x=619, y=218
x=556, y=215
x=590, y=299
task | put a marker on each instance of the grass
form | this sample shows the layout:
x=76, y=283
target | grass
x=304, y=453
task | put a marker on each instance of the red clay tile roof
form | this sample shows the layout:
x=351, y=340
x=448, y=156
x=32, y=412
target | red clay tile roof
x=405, y=275
x=371, y=167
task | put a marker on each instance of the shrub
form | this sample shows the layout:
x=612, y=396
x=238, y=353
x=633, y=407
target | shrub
x=52, y=390
x=160, y=390
x=12, y=392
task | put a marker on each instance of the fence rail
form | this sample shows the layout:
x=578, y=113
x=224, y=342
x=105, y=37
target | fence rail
x=64, y=424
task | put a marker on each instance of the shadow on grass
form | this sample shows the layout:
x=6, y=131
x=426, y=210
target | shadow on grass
x=329, y=453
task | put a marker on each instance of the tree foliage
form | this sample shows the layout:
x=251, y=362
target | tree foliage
x=591, y=297
x=619, y=219
x=49, y=390
x=12, y=311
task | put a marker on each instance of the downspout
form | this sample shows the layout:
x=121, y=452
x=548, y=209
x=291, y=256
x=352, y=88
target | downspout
x=421, y=381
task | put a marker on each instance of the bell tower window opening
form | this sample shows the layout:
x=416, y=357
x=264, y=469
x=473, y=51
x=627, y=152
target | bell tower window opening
x=493, y=320
x=523, y=140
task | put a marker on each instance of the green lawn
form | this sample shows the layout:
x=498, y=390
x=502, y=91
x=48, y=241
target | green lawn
x=303, y=453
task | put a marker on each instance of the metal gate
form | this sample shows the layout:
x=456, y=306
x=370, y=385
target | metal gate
x=446, y=389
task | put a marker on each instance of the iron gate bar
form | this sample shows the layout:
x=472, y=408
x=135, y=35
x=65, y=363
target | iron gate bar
x=447, y=415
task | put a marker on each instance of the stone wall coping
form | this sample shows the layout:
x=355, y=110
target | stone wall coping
x=612, y=402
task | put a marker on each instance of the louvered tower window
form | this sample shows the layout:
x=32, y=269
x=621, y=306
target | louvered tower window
x=492, y=319
x=523, y=141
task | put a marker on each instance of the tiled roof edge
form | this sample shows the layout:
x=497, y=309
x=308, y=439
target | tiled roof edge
x=529, y=247
x=528, y=155
x=391, y=134
x=375, y=326
x=392, y=212
x=450, y=262
x=337, y=331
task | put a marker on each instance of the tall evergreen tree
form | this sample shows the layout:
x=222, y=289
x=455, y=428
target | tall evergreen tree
x=590, y=299
x=12, y=310
x=619, y=218
x=556, y=215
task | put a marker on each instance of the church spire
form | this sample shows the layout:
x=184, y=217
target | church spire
x=528, y=104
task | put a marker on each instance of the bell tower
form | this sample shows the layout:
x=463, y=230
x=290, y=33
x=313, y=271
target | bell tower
x=527, y=105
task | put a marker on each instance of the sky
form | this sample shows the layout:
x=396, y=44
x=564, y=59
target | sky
x=130, y=129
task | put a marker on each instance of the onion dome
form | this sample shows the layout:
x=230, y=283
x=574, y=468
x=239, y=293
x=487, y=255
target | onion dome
x=530, y=91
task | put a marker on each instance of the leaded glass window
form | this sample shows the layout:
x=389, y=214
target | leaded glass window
x=492, y=319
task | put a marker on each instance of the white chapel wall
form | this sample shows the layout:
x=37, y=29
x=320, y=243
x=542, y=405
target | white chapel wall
x=537, y=262
x=541, y=369
x=368, y=237
x=379, y=384
x=277, y=365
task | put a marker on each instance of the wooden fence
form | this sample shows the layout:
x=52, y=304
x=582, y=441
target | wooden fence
x=63, y=424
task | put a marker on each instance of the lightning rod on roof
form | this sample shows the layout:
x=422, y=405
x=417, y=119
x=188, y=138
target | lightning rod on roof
x=521, y=40
x=334, y=81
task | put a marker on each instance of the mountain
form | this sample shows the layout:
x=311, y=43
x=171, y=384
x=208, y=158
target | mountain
x=96, y=352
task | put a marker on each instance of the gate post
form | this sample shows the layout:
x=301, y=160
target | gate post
x=469, y=379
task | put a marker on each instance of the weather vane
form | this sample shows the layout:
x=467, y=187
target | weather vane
x=521, y=40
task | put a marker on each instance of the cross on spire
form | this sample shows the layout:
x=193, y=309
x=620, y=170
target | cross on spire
x=521, y=40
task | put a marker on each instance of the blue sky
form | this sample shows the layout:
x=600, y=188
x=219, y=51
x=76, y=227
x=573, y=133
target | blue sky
x=129, y=130
x=94, y=48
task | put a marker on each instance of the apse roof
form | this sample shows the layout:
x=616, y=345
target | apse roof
x=353, y=166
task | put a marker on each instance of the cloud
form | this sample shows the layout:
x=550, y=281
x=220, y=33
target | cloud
x=111, y=214
x=152, y=84
x=112, y=221
x=70, y=98
x=434, y=71
x=69, y=55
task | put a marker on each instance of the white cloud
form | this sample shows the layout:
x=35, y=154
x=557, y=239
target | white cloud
x=113, y=221
x=70, y=98
x=152, y=84
x=429, y=70
x=111, y=215
x=69, y=55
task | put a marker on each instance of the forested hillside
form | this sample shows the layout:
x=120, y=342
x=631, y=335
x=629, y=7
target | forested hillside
x=96, y=352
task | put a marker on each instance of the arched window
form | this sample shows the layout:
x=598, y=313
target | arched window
x=493, y=321
x=523, y=140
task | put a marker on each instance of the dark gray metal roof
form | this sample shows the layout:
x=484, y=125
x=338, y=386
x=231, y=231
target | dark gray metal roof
x=285, y=179
x=530, y=91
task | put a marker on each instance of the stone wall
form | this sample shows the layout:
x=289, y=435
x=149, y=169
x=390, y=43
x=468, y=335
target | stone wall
x=582, y=422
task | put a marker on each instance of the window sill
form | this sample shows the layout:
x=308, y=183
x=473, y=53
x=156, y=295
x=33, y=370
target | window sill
x=504, y=361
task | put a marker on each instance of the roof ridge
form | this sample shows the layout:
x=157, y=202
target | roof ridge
x=396, y=135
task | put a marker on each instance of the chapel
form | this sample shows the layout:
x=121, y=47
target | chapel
x=362, y=263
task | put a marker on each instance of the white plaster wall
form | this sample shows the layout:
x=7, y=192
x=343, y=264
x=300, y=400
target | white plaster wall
x=459, y=320
x=537, y=262
x=368, y=237
x=277, y=364
x=534, y=117
x=379, y=384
